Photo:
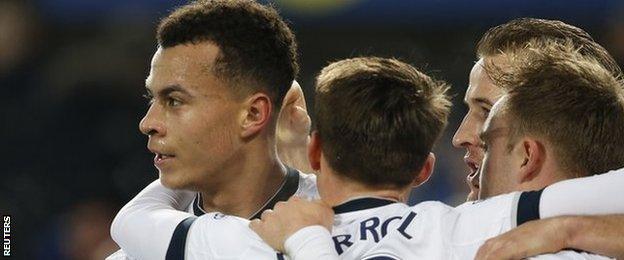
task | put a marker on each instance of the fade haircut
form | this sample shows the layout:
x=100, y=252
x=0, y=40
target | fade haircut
x=378, y=119
x=257, y=50
x=557, y=93
x=518, y=32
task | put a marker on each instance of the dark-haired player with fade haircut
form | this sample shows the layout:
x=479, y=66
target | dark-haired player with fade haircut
x=515, y=149
x=216, y=83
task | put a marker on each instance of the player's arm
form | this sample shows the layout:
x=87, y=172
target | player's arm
x=298, y=228
x=293, y=129
x=595, y=195
x=597, y=234
x=143, y=228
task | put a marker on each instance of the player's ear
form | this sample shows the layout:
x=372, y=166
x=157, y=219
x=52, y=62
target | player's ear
x=425, y=171
x=529, y=156
x=314, y=151
x=256, y=114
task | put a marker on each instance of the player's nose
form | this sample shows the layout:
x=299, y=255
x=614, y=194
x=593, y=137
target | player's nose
x=151, y=124
x=466, y=134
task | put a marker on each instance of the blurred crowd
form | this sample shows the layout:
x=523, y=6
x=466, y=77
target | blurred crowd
x=73, y=73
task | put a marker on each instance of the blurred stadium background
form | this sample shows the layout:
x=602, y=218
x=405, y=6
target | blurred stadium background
x=72, y=73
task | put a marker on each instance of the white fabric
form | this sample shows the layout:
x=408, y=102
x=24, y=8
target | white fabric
x=144, y=226
x=445, y=233
x=598, y=194
x=218, y=236
x=429, y=230
x=569, y=255
x=312, y=240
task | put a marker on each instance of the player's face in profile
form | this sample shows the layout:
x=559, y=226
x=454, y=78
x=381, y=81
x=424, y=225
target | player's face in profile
x=191, y=121
x=496, y=172
x=480, y=97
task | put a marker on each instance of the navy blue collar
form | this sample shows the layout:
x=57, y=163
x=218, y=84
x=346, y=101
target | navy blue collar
x=287, y=190
x=361, y=204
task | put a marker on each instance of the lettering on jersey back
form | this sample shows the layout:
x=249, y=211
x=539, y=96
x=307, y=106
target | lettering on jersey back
x=384, y=226
x=341, y=240
x=405, y=224
x=369, y=225
x=371, y=228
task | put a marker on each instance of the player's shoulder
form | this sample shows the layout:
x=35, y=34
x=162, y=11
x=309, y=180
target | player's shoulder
x=219, y=236
x=497, y=206
x=213, y=225
x=415, y=231
x=431, y=208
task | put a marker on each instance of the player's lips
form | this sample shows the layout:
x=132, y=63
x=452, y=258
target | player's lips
x=160, y=159
x=473, y=177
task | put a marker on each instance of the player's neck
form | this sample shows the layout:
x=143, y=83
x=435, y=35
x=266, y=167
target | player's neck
x=248, y=183
x=335, y=190
x=548, y=174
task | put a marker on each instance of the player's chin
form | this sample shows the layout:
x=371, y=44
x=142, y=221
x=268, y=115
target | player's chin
x=173, y=180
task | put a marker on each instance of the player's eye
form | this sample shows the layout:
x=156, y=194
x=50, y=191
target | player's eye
x=485, y=112
x=172, y=102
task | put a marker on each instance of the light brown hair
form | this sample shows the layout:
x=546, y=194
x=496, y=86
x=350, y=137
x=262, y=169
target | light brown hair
x=378, y=119
x=518, y=32
x=557, y=93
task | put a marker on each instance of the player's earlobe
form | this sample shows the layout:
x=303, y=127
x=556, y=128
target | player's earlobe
x=531, y=158
x=314, y=151
x=256, y=114
x=426, y=171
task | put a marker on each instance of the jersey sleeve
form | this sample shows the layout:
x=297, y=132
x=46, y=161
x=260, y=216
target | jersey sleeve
x=145, y=228
x=474, y=222
x=310, y=243
x=595, y=195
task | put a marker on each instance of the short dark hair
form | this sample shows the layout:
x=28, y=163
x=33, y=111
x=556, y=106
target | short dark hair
x=378, y=119
x=556, y=93
x=518, y=32
x=257, y=49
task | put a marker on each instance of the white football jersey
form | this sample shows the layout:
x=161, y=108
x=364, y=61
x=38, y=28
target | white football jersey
x=369, y=228
x=296, y=183
x=173, y=231
x=374, y=228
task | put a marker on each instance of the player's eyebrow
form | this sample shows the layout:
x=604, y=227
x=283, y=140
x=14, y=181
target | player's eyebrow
x=483, y=101
x=168, y=90
x=479, y=100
